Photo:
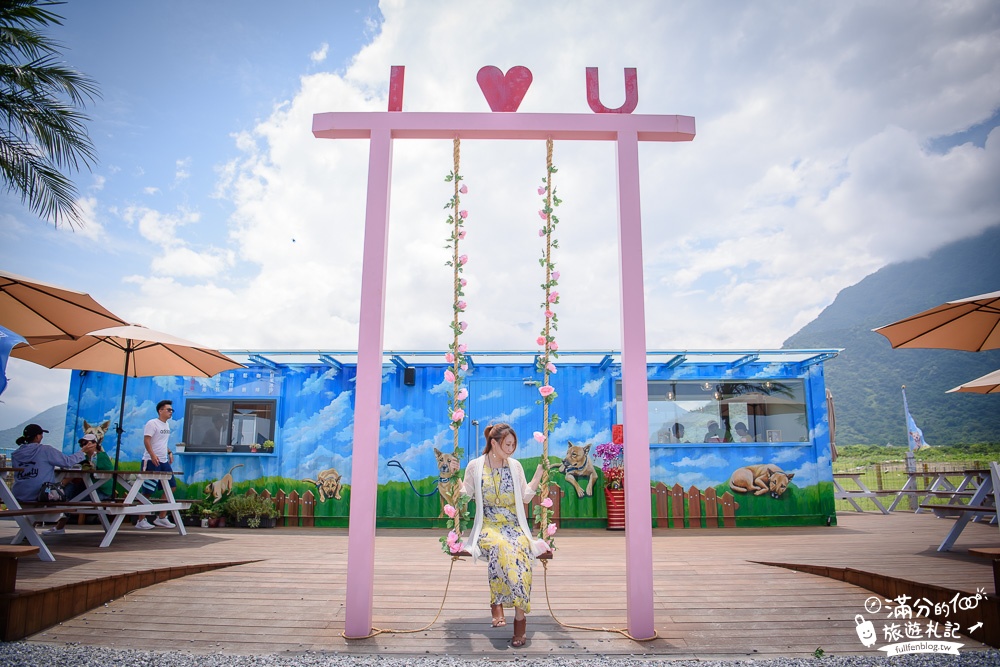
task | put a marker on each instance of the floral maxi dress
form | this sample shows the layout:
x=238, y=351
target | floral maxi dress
x=502, y=543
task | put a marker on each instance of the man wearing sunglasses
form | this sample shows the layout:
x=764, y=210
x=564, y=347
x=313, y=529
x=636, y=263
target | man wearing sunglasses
x=157, y=456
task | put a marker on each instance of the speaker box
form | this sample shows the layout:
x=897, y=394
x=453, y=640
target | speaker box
x=409, y=376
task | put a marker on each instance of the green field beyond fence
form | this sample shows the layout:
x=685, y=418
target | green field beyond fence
x=880, y=472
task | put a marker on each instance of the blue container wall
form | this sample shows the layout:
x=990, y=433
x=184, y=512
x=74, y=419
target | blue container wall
x=314, y=431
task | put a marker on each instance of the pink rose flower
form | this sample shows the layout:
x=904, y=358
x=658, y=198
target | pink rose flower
x=543, y=215
x=463, y=259
x=463, y=214
x=458, y=415
x=539, y=436
x=464, y=189
x=550, y=367
x=553, y=345
x=555, y=275
x=462, y=394
x=553, y=297
x=465, y=367
x=546, y=390
x=449, y=357
x=463, y=325
x=463, y=347
x=452, y=535
x=540, y=340
x=450, y=511
x=463, y=281
x=545, y=503
x=549, y=314
x=541, y=189
x=551, y=530
x=461, y=235
x=461, y=305
x=449, y=376
x=541, y=232
x=456, y=547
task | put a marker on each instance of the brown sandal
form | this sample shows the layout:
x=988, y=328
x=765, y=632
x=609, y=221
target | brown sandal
x=520, y=626
x=498, y=620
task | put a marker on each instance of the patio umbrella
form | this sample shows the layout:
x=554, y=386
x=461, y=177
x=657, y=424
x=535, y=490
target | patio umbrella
x=988, y=384
x=42, y=312
x=971, y=324
x=132, y=351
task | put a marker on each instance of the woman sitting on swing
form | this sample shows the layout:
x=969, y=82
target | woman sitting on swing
x=501, y=533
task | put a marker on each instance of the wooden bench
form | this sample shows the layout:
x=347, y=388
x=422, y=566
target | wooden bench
x=8, y=564
x=941, y=510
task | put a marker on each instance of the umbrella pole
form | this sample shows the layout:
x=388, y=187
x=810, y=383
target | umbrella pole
x=119, y=429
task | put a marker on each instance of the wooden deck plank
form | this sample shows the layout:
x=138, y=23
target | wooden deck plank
x=289, y=597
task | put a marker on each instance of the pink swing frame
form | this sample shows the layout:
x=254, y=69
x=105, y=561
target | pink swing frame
x=381, y=128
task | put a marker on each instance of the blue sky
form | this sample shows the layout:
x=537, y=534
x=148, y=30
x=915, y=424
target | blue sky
x=833, y=139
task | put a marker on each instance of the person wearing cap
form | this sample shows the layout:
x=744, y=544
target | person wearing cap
x=38, y=466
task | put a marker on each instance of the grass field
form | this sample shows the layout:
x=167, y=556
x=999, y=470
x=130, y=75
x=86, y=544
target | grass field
x=884, y=468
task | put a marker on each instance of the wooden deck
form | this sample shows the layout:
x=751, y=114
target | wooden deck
x=713, y=596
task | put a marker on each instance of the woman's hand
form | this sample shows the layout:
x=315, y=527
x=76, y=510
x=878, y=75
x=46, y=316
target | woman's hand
x=538, y=475
x=453, y=465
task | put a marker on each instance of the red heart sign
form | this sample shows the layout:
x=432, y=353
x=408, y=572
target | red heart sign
x=504, y=92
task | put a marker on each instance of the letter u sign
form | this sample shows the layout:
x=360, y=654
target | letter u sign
x=594, y=92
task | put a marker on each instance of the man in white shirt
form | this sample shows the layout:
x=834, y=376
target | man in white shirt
x=157, y=456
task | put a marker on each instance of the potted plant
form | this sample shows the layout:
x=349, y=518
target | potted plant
x=613, y=455
x=179, y=447
x=251, y=511
x=268, y=446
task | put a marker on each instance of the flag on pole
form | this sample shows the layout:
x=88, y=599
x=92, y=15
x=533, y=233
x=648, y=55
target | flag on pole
x=8, y=339
x=913, y=432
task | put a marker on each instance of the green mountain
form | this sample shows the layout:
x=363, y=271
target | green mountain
x=866, y=378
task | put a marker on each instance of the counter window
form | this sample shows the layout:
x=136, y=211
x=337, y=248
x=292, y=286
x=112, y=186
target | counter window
x=228, y=426
x=716, y=411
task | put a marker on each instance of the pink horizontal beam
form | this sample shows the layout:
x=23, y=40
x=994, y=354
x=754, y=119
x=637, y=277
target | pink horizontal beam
x=432, y=125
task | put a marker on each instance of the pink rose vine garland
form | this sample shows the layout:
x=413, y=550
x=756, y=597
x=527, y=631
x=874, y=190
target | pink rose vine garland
x=458, y=517
x=545, y=361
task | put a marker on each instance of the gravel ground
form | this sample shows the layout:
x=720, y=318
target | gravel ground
x=22, y=654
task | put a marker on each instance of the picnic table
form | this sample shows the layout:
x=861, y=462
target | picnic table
x=113, y=513
x=851, y=495
x=23, y=518
x=977, y=487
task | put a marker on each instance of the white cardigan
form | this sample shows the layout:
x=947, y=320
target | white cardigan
x=523, y=493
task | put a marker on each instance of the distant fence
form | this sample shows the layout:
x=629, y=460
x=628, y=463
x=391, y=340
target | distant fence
x=891, y=476
x=293, y=510
x=688, y=509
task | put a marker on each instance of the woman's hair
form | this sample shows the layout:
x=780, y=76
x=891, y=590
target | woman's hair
x=498, y=432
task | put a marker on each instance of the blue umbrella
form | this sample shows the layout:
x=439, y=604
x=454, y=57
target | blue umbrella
x=8, y=339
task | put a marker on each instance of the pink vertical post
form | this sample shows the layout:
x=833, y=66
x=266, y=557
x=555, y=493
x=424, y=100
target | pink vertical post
x=635, y=397
x=368, y=391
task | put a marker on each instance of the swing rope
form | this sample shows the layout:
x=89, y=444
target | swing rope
x=544, y=360
x=383, y=631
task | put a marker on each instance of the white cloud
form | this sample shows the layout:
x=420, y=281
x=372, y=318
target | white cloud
x=182, y=170
x=319, y=55
x=810, y=170
x=151, y=190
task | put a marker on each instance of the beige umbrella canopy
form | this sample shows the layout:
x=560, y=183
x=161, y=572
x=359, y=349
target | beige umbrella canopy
x=42, y=312
x=988, y=384
x=130, y=351
x=971, y=324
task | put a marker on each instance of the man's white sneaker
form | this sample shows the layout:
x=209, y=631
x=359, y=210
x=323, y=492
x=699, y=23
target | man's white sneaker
x=144, y=525
x=55, y=531
x=163, y=523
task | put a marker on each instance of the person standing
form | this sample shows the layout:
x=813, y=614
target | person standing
x=500, y=533
x=157, y=456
